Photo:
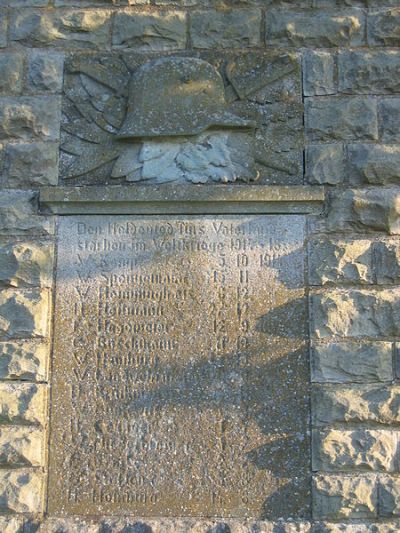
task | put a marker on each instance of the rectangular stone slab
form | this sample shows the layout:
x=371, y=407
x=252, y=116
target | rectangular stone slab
x=180, y=369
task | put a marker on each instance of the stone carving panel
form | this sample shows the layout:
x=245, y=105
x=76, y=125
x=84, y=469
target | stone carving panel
x=180, y=372
x=204, y=119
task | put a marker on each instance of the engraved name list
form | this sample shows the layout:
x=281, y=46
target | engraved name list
x=180, y=374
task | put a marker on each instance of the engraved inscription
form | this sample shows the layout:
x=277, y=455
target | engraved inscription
x=180, y=367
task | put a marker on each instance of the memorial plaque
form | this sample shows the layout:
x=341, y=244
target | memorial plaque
x=180, y=370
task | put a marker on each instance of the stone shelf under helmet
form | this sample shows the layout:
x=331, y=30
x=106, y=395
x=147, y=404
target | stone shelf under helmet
x=190, y=199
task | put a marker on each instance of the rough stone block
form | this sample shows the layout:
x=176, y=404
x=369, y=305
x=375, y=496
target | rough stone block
x=45, y=71
x=374, y=164
x=387, y=261
x=24, y=360
x=21, y=491
x=318, y=73
x=384, y=27
x=325, y=164
x=226, y=29
x=334, y=261
x=23, y=404
x=23, y=314
x=70, y=28
x=345, y=497
x=12, y=524
x=370, y=72
x=356, y=313
x=3, y=29
x=337, y=450
x=21, y=446
x=366, y=210
x=145, y=31
x=344, y=118
x=315, y=28
x=389, y=118
x=11, y=68
x=19, y=214
x=26, y=264
x=30, y=165
x=30, y=118
x=389, y=497
x=352, y=362
x=355, y=404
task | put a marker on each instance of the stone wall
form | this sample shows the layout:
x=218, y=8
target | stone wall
x=351, y=86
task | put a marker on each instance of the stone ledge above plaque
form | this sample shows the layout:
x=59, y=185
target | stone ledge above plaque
x=182, y=199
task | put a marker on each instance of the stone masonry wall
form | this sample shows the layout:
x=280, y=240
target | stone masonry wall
x=351, y=85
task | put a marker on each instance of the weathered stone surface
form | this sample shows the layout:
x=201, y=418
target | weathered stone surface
x=3, y=29
x=387, y=261
x=352, y=362
x=11, y=67
x=21, y=491
x=356, y=313
x=226, y=29
x=355, y=403
x=23, y=313
x=23, y=404
x=318, y=73
x=374, y=164
x=30, y=118
x=334, y=261
x=389, y=111
x=31, y=164
x=21, y=446
x=45, y=71
x=12, y=524
x=383, y=27
x=26, y=264
x=357, y=527
x=315, y=28
x=365, y=210
x=345, y=118
x=24, y=3
x=19, y=214
x=325, y=164
x=115, y=318
x=345, y=497
x=370, y=72
x=73, y=28
x=389, y=496
x=24, y=360
x=169, y=525
x=145, y=31
x=338, y=450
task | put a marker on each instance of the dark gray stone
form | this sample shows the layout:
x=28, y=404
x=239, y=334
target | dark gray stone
x=313, y=28
x=45, y=72
x=226, y=29
x=369, y=72
x=325, y=164
x=72, y=28
x=344, y=118
x=11, y=68
x=30, y=118
x=389, y=111
x=373, y=164
x=150, y=31
x=318, y=73
x=383, y=27
x=31, y=164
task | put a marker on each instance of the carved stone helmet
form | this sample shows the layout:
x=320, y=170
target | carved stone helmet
x=177, y=96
